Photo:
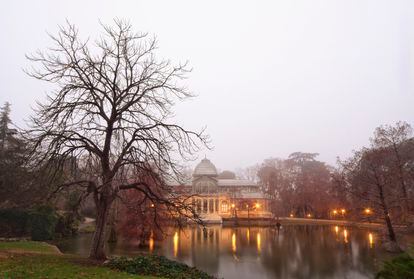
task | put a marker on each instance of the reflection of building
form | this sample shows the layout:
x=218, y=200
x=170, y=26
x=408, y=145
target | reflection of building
x=217, y=199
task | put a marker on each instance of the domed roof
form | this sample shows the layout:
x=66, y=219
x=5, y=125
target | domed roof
x=205, y=167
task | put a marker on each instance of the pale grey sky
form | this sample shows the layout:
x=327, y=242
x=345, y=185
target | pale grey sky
x=272, y=77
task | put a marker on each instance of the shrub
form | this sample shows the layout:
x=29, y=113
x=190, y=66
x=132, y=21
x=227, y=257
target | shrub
x=67, y=224
x=14, y=222
x=401, y=267
x=153, y=265
x=43, y=223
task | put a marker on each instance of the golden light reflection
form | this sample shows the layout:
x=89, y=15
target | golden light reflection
x=175, y=239
x=371, y=240
x=259, y=242
x=248, y=236
x=151, y=242
x=346, y=236
x=233, y=243
x=336, y=229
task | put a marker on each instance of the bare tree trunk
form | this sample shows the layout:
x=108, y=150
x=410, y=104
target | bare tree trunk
x=405, y=204
x=391, y=233
x=112, y=219
x=99, y=238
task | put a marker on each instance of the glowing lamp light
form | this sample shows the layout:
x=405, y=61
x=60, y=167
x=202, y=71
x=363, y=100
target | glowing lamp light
x=335, y=211
x=257, y=205
x=343, y=211
x=367, y=211
x=233, y=205
x=309, y=215
x=291, y=215
x=152, y=205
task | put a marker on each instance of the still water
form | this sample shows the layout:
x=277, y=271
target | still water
x=305, y=251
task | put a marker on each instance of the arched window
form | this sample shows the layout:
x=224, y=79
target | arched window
x=205, y=204
x=224, y=207
x=211, y=206
x=198, y=206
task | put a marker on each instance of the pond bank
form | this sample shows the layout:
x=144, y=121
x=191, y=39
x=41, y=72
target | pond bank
x=30, y=259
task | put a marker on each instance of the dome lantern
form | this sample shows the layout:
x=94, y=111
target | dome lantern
x=205, y=168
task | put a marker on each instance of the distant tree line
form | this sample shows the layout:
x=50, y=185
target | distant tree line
x=375, y=184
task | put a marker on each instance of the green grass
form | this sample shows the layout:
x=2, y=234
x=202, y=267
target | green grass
x=27, y=246
x=87, y=228
x=28, y=259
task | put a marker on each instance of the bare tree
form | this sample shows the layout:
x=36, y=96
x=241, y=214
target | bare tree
x=367, y=178
x=112, y=108
x=395, y=138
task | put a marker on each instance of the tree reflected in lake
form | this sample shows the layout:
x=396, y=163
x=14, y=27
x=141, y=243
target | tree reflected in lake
x=304, y=251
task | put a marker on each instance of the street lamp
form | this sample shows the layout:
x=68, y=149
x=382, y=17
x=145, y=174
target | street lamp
x=343, y=211
x=233, y=206
x=248, y=213
x=334, y=212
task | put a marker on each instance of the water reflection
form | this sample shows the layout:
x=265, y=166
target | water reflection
x=261, y=252
x=175, y=240
x=151, y=242
x=371, y=240
x=233, y=243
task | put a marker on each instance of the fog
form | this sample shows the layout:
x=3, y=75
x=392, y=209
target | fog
x=271, y=77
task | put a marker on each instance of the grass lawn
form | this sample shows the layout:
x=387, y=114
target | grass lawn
x=28, y=259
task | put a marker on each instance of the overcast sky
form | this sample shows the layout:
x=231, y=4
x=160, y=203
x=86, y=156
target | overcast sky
x=272, y=77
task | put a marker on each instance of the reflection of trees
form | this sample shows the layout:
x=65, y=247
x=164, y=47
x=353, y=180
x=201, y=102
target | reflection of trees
x=204, y=247
x=314, y=252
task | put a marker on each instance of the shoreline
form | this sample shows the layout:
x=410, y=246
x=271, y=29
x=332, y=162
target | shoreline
x=285, y=221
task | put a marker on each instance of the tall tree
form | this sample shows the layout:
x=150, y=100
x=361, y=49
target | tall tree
x=300, y=185
x=396, y=139
x=13, y=176
x=113, y=109
x=5, y=121
x=365, y=175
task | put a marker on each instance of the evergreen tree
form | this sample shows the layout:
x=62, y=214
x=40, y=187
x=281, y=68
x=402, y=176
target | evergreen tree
x=4, y=123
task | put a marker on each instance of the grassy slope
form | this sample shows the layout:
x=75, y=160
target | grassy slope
x=27, y=259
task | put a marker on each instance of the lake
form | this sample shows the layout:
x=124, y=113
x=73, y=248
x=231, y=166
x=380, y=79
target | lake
x=295, y=251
